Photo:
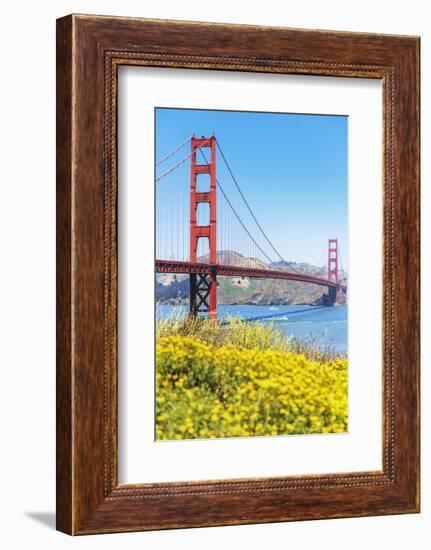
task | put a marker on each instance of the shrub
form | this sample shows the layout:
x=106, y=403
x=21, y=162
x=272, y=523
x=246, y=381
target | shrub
x=244, y=334
x=241, y=382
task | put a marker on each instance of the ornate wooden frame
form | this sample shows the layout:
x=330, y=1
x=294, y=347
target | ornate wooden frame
x=89, y=51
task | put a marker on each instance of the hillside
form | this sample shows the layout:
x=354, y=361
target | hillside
x=174, y=289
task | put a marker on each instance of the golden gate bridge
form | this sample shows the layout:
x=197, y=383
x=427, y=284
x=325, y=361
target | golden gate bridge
x=199, y=230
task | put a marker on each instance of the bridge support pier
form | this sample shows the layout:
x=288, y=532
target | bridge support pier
x=203, y=294
x=333, y=298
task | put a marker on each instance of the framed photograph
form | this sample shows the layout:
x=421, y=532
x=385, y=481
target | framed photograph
x=237, y=274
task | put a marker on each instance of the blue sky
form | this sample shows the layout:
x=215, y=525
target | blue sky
x=291, y=167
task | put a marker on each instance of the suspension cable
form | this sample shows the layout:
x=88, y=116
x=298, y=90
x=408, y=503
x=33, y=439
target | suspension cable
x=169, y=155
x=247, y=204
x=252, y=213
x=236, y=215
x=182, y=161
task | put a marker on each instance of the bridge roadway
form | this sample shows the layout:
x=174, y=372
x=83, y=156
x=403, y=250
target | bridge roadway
x=174, y=266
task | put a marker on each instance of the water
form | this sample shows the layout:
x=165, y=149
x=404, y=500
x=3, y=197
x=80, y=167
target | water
x=324, y=326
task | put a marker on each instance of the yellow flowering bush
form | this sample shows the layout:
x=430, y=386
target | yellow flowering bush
x=205, y=390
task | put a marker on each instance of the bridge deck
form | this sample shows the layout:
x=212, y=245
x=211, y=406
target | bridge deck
x=173, y=266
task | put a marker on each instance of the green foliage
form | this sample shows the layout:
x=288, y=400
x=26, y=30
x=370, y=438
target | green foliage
x=244, y=334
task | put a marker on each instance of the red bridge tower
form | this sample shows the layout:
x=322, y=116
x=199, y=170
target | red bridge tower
x=333, y=274
x=203, y=286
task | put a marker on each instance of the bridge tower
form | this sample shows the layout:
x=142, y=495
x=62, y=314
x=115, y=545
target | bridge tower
x=333, y=274
x=203, y=286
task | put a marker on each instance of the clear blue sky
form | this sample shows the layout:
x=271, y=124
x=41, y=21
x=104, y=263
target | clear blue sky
x=291, y=167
